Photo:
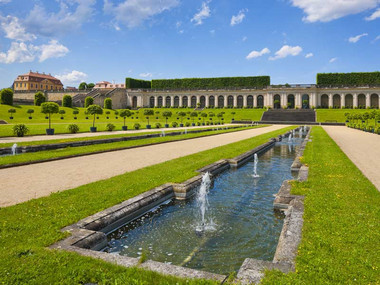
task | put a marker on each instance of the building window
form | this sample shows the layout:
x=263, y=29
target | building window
x=24, y=84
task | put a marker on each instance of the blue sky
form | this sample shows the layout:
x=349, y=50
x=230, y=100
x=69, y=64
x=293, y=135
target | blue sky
x=95, y=40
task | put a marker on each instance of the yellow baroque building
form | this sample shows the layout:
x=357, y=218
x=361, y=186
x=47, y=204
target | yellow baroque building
x=34, y=81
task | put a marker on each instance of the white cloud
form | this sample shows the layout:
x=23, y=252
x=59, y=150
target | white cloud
x=333, y=59
x=374, y=15
x=328, y=10
x=70, y=17
x=377, y=38
x=5, y=1
x=356, y=38
x=133, y=13
x=51, y=50
x=254, y=53
x=286, y=51
x=310, y=54
x=238, y=18
x=18, y=52
x=146, y=74
x=203, y=13
x=244, y=39
x=72, y=78
x=14, y=30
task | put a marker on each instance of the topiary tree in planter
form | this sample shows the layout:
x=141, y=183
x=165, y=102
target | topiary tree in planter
x=62, y=112
x=204, y=116
x=148, y=113
x=107, y=113
x=67, y=101
x=116, y=114
x=88, y=101
x=233, y=115
x=6, y=96
x=39, y=98
x=94, y=110
x=124, y=114
x=108, y=103
x=11, y=111
x=193, y=115
x=75, y=113
x=30, y=112
x=167, y=114
x=20, y=130
x=49, y=108
x=181, y=115
x=220, y=116
x=211, y=115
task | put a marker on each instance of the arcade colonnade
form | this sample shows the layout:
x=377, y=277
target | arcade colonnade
x=258, y=100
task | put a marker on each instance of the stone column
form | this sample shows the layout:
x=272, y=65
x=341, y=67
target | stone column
x=245, y=99
x=342, y=100
x=297, y=100
x=235, y=100
x=198, y=100
x=367, y=100
x=172, y=101
x=330, y=100
x=207, y=103
x=283, y=100
x=155, y=101
x=163, y=101
x=254, y=103
x=225, y=100
x=355, y=98
x=180, y=101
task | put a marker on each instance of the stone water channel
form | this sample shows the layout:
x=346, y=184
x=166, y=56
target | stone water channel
x=240, y=221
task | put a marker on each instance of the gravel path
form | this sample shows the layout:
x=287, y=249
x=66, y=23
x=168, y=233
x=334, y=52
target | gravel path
x=23, y=183
x=85, y=135
x=362, y=148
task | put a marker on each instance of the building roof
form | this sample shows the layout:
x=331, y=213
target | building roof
x=41, y=76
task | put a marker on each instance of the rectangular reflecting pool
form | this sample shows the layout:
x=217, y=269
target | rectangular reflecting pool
x=240, y=220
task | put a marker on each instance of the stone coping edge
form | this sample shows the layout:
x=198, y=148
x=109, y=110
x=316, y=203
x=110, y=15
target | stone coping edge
x=89, y=235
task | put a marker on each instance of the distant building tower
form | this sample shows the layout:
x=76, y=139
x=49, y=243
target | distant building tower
x=34, y=81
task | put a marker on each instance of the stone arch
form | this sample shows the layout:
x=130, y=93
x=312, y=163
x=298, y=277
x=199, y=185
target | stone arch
x=159, y=101
x=348, y=101
x=185, y=101
x=168, y=101
x=277, y=101
x=291, y=101
x=230, y=101
x=211, y=101
x=361, y=101
x=240, y=101
x=325, y=101
x=202, y=100
x=260, y=101
x=305, y=101
x=134, y=102
x=375, y=101
x=336, y=101
x=193, y=101
x=151, y=102
x=176, y=101
x=250, y=101
x=220, y=101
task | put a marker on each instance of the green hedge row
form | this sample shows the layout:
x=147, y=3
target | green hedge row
x=349, y=79
x=219, y=82
x=137, y=83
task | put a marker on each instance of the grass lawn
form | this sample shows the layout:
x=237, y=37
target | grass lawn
x=74, y=151
x=340, y=235
x=27, y=229
x=324, y=115
x=38, y=124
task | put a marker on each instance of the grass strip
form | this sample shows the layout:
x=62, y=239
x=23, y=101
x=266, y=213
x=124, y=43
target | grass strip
x=28, y=228
x=340, y=236
x=48, y=155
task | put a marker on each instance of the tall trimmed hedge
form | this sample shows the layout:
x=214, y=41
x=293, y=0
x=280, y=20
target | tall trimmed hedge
x=218, y=82
x=349, y=79
x=137, y=83
x=88, y=101
x=39, y=98
x=67, y=101
x=108, y=103
x=6, y=96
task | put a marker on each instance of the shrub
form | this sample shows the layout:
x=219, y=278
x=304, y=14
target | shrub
x=62, y=112
x=110, y=127
x=39, y=98
x=174, y=124
x=82, y=86
x=67, y=101
x=349, y=79
x=108, y=103
x=75, y=112
x=187, y=124
x=49, y=108
x=73, y=128
x=88, y=101
x=6, y=96
x=11, y=111
x=30, y=111
x=158, y=125
x=20, y=130
x=137, y=83
x=136, y=126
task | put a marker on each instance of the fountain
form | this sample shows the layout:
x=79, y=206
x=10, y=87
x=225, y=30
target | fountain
x=202, y=203
x=185, y=131
x=14, y=149
x=255, y=161
x=290, y=138
x=162, y=133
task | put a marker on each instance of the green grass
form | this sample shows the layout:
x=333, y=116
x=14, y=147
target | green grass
x=27, y=229
x=38, y=124
x=74, y=151
x=324, y=115
x=340, y=235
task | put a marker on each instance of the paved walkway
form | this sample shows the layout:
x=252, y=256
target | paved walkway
x=23, y=183
x=362, y=148
x=85, y=135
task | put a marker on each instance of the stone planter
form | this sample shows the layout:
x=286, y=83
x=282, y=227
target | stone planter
x=50, y=132
x=166, y=125
x=181, y=125
x=148, y=126
x=11, y=118
x=93, y=129
x=124, y=128
x=193, y=124
x=30, y=118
